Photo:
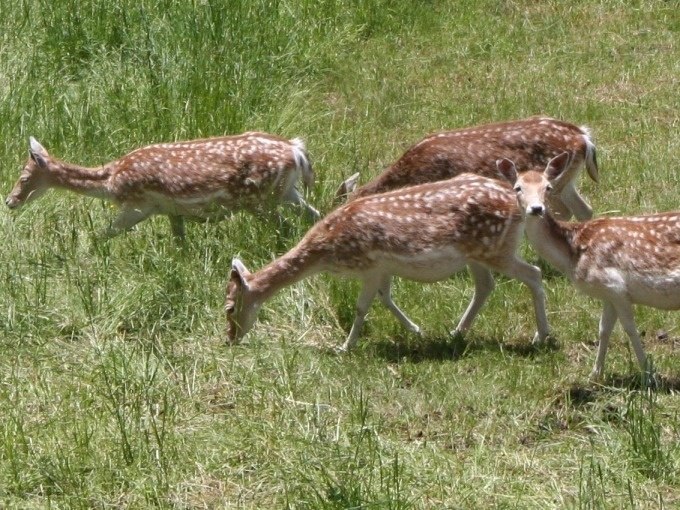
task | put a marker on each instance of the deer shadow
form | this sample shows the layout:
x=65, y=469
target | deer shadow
x=587, y=392
x=448, y=347
x=659, y=383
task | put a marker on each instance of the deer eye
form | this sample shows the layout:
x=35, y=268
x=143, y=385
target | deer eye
x=23, y=180
x=230, y=308
x=548, y=187
x=518, y=188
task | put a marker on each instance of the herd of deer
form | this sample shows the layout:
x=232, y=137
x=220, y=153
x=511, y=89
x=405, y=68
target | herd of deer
x=455, y=199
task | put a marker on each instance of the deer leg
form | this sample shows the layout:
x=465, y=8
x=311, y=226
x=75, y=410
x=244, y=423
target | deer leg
x=531, y=277
x=126, y=219
x=366, y=296
x=313, y=213
x=385, y=294
x=484, y=285
x=177, y=225
x=607, y=322
x=624, y=311
x=294, y=197
x=576, y=203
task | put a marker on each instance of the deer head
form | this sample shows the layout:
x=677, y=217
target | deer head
x=34, y=179
x=534, y=188
x=241, y=305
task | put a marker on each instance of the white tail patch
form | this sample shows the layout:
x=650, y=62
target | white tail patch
x=591, y=155
x=302, y=162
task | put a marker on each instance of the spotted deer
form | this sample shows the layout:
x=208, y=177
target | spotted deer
x=424, y=233
x=620, y=260
x=530, y=143
x=198, y=179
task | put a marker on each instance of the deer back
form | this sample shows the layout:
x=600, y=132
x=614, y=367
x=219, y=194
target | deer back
x=530, y=143
x=244, y=168
x=475, y=215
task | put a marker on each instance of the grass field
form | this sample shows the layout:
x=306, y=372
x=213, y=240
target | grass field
x=117, y=389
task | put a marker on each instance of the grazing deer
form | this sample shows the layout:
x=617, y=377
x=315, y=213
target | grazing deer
x=204, y=179
x=621, y=260
x=530, y=143
x=424, y=233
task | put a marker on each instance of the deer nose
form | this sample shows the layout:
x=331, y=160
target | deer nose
x=536, y=210
x=12, y=202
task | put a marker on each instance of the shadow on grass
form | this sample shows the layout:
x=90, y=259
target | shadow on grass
x=634, y=381
x=579, y=405
x=586, y=392
x=415, y=350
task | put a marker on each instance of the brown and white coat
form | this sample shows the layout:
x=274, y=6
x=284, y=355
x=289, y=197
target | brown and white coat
x=530, y=143
x=207, y=178
x=423, y=233
x=622, y=261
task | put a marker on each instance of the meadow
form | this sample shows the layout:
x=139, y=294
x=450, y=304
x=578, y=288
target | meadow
x=117, y=387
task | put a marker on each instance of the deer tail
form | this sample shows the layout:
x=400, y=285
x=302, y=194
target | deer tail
x=591, y=154
x=302, y=162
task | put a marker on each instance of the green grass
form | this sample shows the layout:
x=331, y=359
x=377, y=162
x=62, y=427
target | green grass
x=116, y=387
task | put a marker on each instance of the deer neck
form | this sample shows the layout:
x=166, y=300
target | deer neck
x=286, y=270
x=87, y=181
x=553, y=240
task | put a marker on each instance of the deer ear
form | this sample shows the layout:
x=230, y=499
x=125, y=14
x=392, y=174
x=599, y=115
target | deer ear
x=347, y=186
x=37, y=152
x=557, y=165
x=239, y=273
x=507, y=169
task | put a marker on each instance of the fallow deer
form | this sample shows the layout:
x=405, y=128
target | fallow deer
x=205, y=178
x=530, y=143
x=424, y=233
x=620, y=260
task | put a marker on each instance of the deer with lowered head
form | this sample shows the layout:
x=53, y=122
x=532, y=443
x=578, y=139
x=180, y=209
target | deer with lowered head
x=530, y=143
x=200, y=179
x=424, y=233
x=622, y=261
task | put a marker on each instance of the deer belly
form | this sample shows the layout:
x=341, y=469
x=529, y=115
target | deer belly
x=429, y=266
x=213, y=205
x=658, y=291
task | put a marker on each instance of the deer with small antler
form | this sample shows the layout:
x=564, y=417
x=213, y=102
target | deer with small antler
x=530, y=143
x=200, y=179
x=423, y=233
x=622, y=261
